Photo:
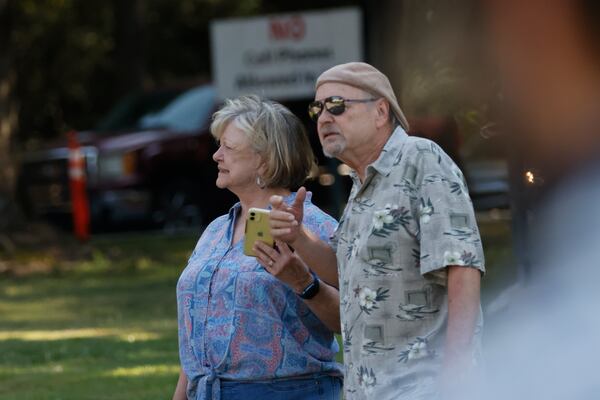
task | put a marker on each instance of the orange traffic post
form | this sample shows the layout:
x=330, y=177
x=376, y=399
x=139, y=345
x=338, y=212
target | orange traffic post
x=77, y=184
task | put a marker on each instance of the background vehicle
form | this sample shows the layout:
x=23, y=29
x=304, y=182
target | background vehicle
x=149, y=163
x=149, y=160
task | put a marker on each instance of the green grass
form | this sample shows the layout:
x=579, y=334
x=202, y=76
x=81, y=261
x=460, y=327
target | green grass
x=98, y=329
x=103, y=325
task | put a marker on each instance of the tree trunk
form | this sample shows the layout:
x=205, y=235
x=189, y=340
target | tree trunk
x=8, y=119
x=8, y=107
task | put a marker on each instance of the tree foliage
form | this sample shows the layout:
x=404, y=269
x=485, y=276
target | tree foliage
x=68, y=60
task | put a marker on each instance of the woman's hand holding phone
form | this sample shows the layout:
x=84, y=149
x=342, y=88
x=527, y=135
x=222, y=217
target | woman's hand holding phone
x=257, y=229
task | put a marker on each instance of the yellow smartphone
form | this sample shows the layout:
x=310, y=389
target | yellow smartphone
x=257, y=228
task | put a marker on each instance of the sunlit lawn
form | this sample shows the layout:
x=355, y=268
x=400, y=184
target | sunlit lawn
x=106, y=328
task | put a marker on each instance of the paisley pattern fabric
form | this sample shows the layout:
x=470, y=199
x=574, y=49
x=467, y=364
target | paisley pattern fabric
x=238, y=322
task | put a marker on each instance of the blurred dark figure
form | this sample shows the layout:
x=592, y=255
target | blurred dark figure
x=548, y=343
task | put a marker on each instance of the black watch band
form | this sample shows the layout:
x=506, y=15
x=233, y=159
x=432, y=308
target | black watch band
x=312, y=289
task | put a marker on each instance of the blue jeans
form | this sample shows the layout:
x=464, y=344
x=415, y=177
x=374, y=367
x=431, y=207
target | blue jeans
x=321, y=387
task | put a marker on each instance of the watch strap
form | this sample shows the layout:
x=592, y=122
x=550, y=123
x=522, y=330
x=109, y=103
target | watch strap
x=312, y=289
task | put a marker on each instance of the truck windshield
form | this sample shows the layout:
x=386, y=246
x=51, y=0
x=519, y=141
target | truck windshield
x=187, y=112
x=126, y=113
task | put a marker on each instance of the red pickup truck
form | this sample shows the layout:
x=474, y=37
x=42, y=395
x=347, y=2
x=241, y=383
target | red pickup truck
x=149, y=160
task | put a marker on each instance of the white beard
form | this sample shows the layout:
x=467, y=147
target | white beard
x=335, y=148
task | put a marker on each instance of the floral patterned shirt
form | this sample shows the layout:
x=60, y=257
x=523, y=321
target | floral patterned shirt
x=410, y=219
x=238, y=322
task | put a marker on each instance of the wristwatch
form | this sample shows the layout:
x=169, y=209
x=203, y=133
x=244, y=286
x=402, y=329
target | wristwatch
x=312, y=289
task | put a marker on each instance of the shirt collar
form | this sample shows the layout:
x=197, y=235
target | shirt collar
x=389, y=155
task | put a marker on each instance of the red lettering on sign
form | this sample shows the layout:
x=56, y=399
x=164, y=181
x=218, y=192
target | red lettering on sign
x=287, y=28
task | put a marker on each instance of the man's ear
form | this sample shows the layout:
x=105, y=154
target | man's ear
x=383, y=112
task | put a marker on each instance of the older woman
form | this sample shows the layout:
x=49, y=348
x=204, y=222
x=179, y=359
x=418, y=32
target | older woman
x=257, y=328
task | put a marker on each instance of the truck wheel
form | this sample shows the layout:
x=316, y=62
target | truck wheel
x=177, y=210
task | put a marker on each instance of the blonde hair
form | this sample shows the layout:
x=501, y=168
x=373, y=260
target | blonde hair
x=275, y=133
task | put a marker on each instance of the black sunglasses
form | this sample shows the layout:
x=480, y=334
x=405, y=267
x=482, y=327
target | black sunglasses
x=334, y=105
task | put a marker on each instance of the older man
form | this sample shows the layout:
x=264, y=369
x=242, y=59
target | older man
x=407, y=249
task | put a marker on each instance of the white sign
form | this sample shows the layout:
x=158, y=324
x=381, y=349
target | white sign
x=281, y=56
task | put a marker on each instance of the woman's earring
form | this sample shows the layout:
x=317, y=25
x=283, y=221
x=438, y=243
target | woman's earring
x=259, y=181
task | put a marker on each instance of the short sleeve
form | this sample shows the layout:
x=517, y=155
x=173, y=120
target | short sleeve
x=448, y=232
x=319, y=222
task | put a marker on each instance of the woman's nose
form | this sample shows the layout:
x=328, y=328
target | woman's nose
x=217, y=155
